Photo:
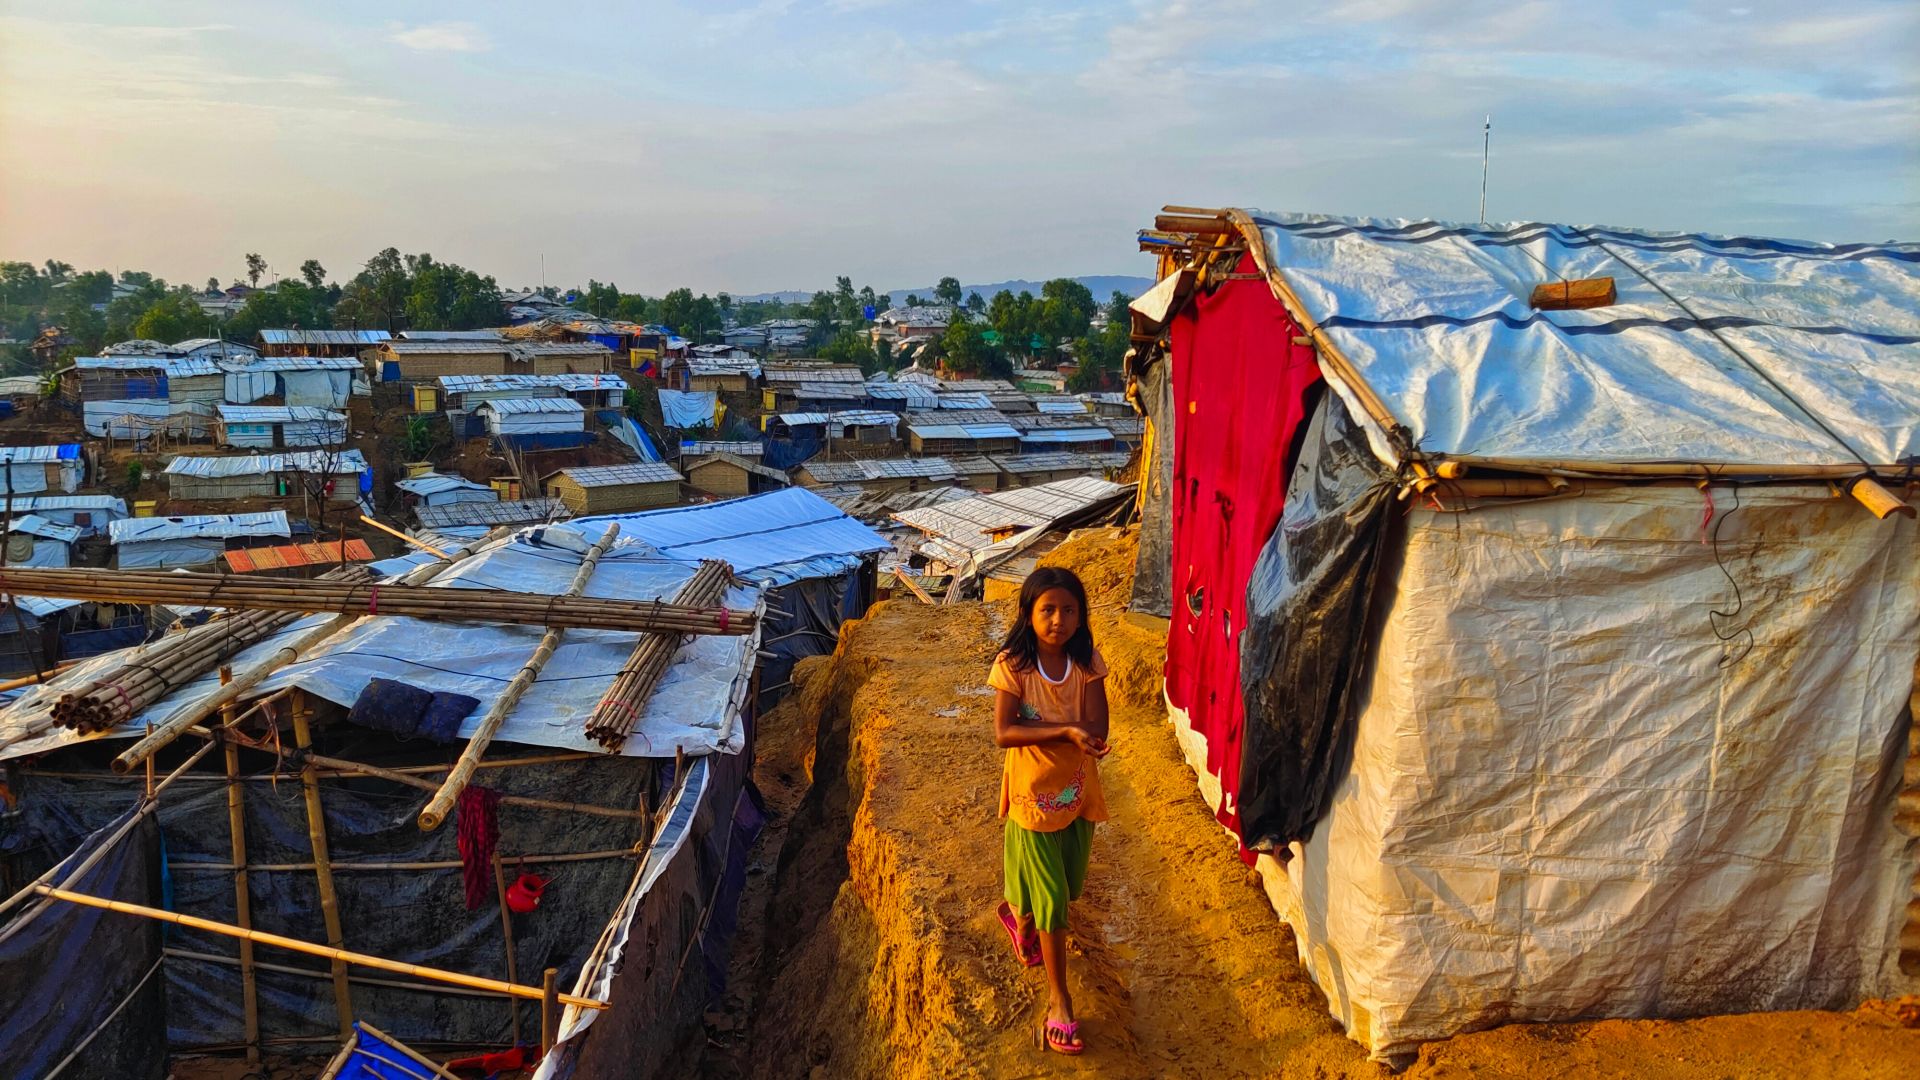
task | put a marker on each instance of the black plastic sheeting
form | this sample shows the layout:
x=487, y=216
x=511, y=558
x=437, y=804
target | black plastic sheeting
x=419, y=916
x=784, y=454
x=660, y=987
x=75, y=978
x=803, y=619
x=1303, y=649
x=1153, y=567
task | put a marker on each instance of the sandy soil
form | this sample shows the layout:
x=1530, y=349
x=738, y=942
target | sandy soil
x=876, y=883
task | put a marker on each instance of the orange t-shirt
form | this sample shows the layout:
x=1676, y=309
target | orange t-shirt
x=1045, y=787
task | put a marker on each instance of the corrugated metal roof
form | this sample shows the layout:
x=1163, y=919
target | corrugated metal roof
x=968, y=524
x=1054, y=461
x=175, y=367
x=723, y=365
x=451, y=335
x=138, y=530
x=975, y=386
x=842, y=417
x=1060, y=406
x=294, y=363
x=518, y=406
x=964, y=431
x=571, y=382
x=839, y=472
x=324, y=337
x=436, y=483
x=1067, y=435
x=561, y=348
x=217, y=465
x=251, y=560
x=841, y=391
x=644, y=472
x=25, y=503
x=736, y=461
x=515, y=512
x=716, y=446
x=964, y=401
x=808, y=373
x=915, y=395
x=278, y=414
x=35, y=525
x=1127, y=426
x=439, y=348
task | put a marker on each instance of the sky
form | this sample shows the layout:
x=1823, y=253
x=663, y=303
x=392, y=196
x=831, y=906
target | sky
x=776, y=144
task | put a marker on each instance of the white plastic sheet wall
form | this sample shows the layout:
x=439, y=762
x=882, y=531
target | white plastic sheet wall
x=1571, y=798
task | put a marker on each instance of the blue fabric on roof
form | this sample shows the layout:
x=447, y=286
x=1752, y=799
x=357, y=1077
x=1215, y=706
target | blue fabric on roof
x=69, y=451
x=773, y=539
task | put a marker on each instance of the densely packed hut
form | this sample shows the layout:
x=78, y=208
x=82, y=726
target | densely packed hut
x=404, y=823
x=190, y=540
x=332, y=475
x=722, y=473
x=271, y=427
x=1568, y=579
x=30, y=470
x=614, y=489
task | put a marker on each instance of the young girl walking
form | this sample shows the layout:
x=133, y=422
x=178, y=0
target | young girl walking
x=1050, y=716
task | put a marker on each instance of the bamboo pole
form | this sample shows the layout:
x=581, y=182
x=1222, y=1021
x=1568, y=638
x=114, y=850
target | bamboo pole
x=325, y=976
x=280, y=658
x=375, y=867
x=1880, y=502
x=441, y=804
x=242, y=895
x=405, y=539
x=506, y=930
x=618, y=712
x=304, y=595
x=902, y=578
x=349, y=768
x=357, y=770
x=323, y=871
x=550, y=998
x=339, y=1062
x=407, y=1050
x=261, y=937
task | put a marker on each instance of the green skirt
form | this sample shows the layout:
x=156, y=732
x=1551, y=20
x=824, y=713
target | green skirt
x=1045, y=870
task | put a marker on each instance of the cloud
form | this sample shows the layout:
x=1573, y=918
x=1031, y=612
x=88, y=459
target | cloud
x=443, y=37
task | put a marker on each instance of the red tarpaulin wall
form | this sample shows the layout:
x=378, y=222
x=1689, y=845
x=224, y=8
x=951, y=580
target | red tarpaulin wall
x=1240, y=386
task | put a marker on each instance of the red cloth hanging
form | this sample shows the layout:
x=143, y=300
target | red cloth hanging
x=477, y=828
x=1240, y=388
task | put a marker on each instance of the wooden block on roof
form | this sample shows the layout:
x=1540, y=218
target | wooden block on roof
x=1573, y=295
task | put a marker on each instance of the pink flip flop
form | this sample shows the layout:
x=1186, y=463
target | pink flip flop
x=1064, y=1038
x=1027, y=949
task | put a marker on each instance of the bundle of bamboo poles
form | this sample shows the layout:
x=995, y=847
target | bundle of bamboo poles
x=309, y=595
x=146, y=675
x=619, y=710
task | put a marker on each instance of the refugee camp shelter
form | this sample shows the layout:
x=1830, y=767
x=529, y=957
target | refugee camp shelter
x=337, y=343
x=157, y=542
x=333, y=475
x=872, y=427
x=442, y=489
x=1574, y=652
x=592, y=390
x=316, y=381
x=562, y=357
x=931, y=433
x=424, y=361
x=1027, y=470
x=730, y=374
x=722, y=473
x=269, y=427
x=967, y=536
x=304, y=560
x=879, y=474
x=515, y=418
x=614, y=489
x=687, y=409
x=33, y=540
x=215, y=349
x=92, y=513
x=645, y=847
x=484, y=514
x=29, y=470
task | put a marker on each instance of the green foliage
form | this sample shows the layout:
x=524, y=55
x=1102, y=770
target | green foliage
x=135, y=473
x=173, y=317
x=694, y=318
x=446, y=296
x=852, y=347
x=948, y=291
x=1102, y=352
x=256, y=268
x=419, y=438
x=290, y=304
x=976, y=305
x=312, y=273
x=966, y=350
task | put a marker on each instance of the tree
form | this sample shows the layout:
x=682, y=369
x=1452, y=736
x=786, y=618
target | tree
x=913, y=300
x=725, y=303
x=948, y=291
x=139, y=279
x=293, y=304
x=869, y=299
x=173, y=317
x=376, y=298
x=313, y=273
x=851, y=347
x=58, y=271
x=966, y=350
x=256, y=266
x=975, y=304
x=1066, y=307
x=213, y=285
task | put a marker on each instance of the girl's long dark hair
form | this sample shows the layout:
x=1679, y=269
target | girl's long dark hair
x=1022, y=646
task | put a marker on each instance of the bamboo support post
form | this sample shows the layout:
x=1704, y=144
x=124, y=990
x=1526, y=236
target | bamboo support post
x=441, y=804
x=506, y=931
x=409, y=1051
x=550, y=999
x=242, y=895
x=261, y=937
x=619, y=710
x=256, y=674
x=322, y=868
x=912, y=587
x=340, y=766
x=339, y=1062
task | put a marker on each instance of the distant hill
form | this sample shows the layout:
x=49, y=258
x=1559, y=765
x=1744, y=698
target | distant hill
x=1100, y=285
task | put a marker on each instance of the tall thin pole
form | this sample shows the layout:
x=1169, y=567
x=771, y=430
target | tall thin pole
x=1486, y=153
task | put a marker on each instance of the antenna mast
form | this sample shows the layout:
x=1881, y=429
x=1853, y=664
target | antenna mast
x=1486, y=148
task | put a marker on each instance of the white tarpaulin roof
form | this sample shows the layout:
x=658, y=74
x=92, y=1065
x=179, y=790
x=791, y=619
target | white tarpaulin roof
x=1718, y=350
x=313, y=461
x=222, y=526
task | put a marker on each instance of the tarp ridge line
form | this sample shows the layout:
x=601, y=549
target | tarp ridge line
x=1527, y=233
x=1617, y=326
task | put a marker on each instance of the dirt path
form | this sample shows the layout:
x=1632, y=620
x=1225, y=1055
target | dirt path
x=878, y=954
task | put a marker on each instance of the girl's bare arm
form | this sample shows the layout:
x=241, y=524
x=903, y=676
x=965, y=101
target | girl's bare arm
x=1093, y=709
x=1009, y=730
